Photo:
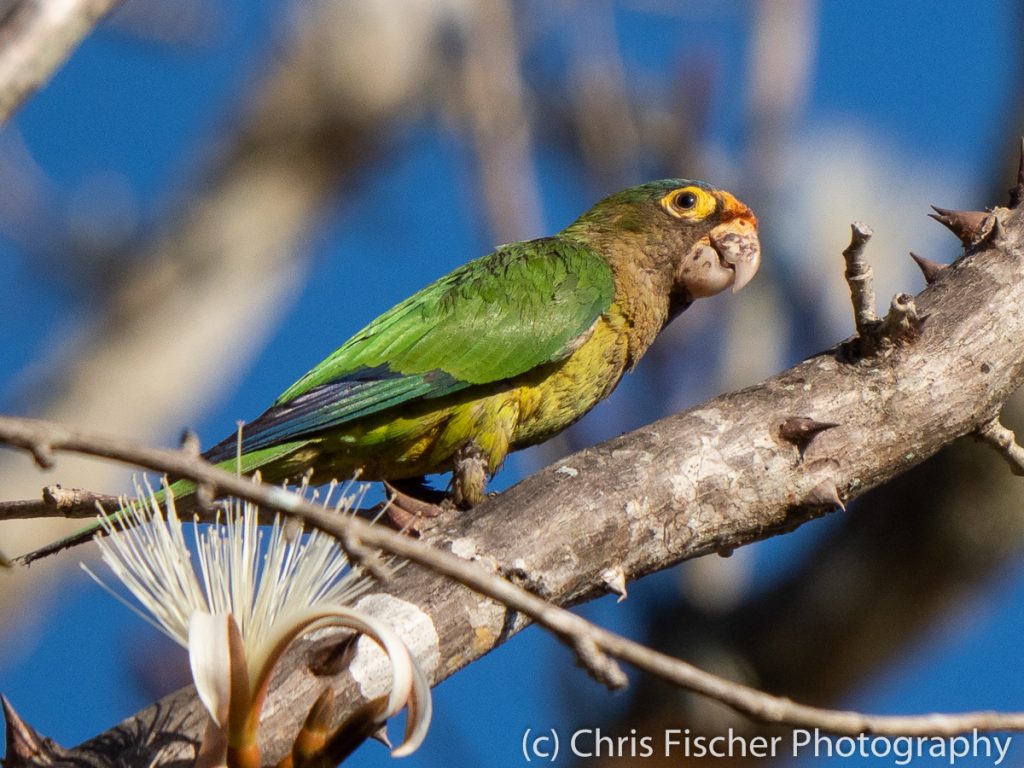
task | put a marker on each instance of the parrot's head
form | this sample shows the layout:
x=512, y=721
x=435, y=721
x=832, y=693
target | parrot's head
x=703, y=239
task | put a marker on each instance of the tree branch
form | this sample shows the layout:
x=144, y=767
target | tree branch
x=36, y=38
x=1005, y=442
x=592, y=644
x=859, y=277
x=705, y=480
x=55, y=501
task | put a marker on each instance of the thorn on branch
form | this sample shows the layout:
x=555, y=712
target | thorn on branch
x=42, y=454
x=365, y=558
x=205, y=497
x=824, y=494
x=801, y=431
x=1003, y=440
x=903, y=324
x=998, y=233
x=614, y=580
x=971, y=227
x=600, y=665
x=929, y=268
x=1017, y=192
x=189, y=443
x=860, y=279
x=334, y=657
x=25, y=746
x=381, y=735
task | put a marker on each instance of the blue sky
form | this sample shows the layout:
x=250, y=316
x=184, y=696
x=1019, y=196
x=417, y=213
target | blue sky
x=927, y=81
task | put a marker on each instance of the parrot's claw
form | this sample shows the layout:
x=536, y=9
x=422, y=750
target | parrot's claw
x=469, y=477
x=408, y=513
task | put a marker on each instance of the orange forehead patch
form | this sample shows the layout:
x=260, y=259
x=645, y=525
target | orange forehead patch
x=734, y=209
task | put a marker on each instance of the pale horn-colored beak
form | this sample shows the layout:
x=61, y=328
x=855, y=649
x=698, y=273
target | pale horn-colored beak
x=737, y=245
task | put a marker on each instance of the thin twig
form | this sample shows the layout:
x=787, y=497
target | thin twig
x=1005, y=442
x=36, y=38
x=861, y=280
x=578, y=633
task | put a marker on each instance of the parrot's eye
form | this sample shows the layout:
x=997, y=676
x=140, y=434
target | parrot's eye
x=685, y=201
x=692, y=203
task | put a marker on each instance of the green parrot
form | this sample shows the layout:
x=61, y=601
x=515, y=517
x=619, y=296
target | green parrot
x=504, y=351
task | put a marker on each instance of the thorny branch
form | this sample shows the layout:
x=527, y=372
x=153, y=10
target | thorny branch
x=705, y=480
x=591, y=643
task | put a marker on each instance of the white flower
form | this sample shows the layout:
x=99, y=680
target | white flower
x=241, y=610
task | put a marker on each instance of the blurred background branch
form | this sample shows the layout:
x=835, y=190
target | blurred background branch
x=179, y=313
x=36, y=38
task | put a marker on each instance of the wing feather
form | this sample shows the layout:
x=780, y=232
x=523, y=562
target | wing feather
x=497, y=317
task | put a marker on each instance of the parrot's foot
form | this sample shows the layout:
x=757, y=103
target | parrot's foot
x=469, y=478
x=409, y=513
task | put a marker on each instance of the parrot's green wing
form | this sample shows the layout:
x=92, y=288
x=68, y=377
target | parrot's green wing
x=488, y=321
x=497, y=317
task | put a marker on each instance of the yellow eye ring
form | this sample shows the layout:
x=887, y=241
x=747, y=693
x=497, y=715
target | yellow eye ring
x=689, y=203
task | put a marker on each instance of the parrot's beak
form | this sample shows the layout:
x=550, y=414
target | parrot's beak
x=728, y=255
x=737, y=245
x=735, y=240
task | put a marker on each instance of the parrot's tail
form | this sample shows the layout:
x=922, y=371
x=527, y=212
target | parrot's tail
x=76, y=538
x=183, y=493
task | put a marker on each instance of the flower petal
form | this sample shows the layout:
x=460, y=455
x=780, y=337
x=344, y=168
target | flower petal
x=417, y=721
x=395, y=649
x=209, y=654
x=409, y=687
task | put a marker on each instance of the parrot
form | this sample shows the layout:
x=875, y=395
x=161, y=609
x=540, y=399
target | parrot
x=505, y=351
